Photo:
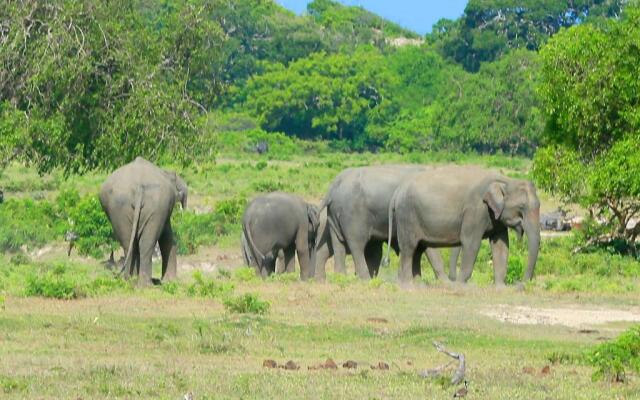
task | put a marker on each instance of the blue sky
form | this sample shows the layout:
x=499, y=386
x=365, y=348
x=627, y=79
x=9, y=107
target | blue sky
x=417, y=15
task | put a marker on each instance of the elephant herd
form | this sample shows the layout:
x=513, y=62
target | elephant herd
x=414, y=209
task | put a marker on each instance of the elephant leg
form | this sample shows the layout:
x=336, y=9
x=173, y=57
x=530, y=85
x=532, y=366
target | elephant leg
x=304, y=255
x=416, y=269
x=323, y=252
x=453, y=262
x=339, y=254
x=470, y=250
x=373, y=257
x=168, y=250
x=357, y=252
x=290, y=260
x=500, y=255
x=281, y=266
x=437, y=263
x=145, y=268
x=407, y=256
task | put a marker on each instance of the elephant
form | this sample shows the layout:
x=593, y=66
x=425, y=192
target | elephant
x=458, y=207
x=279, y=221
x=138, y=199
x=357, y=204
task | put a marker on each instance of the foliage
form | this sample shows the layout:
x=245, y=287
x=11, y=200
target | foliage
x=247, y=303
x=28, y=223
x=590, y=95
x=245, y=274
x=87, y=219
x=489, y=28
x=614, y=360
x=193, y=230
x=231, y=210
x=95, y=84
x=205, y=287
x=322, y=96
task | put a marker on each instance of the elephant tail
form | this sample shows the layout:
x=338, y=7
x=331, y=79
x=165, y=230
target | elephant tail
x=392, y=208
x=246, y=251
x=259, y=257
x=325, y=203
x=128, y=260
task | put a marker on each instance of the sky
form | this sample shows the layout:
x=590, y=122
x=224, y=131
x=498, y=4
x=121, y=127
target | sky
x=417, y=15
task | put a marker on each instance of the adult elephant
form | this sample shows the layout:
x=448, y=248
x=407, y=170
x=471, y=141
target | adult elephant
x=357, y=205
x=279, y=221
x=458, y=207
x=138, y=199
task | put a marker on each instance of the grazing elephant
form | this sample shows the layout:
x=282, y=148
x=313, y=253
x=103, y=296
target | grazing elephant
x=279, y=221
x=458, y=207
x=357, y=206
x=139, y=198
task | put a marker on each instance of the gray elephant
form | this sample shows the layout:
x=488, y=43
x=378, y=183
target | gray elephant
x=357, y=204
x=139, y=198
x=279, y=221
x=458, y=207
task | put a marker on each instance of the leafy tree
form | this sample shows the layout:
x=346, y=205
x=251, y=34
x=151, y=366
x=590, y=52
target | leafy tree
x=325, y=96
x=591, y=97
x=93, y=84
x=489, y=28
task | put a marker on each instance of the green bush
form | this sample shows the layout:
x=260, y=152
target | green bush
x=29, y=223
x=247, y=303
x=268, y=185
x=91, y=224
x=245, y=274
x=230, y=210
x=342, y=280
x=194, y=230
x=613, y=360
x=54, y=284
x=204, y=287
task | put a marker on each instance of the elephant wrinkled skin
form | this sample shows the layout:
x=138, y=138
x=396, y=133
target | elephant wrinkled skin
x=138, y=199
x=458, y=207
x=275, y=222
x=357, y=205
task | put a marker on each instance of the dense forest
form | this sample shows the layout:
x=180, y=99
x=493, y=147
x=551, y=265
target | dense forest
x=92, y=84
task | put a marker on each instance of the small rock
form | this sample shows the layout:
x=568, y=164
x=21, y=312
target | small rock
x=546, y=370
x=350, y=364
x=269, y=364
x=290, y=365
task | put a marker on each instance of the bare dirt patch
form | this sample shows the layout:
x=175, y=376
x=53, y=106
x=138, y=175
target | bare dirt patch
x=571, y=317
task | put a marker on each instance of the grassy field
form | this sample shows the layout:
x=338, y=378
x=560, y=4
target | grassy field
x=203, y=335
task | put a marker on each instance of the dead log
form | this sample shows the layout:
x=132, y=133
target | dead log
x=458, y=376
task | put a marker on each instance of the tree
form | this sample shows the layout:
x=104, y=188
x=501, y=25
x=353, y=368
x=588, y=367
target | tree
x=94, y=84
x=322, y=96
x=489, y=28
x=591, y=96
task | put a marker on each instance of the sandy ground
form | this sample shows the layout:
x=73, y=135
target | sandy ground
x=571, y=317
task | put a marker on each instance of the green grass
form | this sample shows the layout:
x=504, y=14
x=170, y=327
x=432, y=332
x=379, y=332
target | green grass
x=70, y=329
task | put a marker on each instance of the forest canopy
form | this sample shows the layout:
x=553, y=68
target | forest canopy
x=92, y=84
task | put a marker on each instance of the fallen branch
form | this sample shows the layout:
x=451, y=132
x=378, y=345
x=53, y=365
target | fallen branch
x=458, y=376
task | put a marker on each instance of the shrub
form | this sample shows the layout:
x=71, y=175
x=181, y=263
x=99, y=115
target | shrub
x=341, y=280
x=204, y=287
x=230, y=210
x=245, y=274
x=194, y=230
x=268, y=186
x=54, y=284
x=247, y=303
x=613, y=359
x=284, y=278
x=27, y=223
x=91, y=224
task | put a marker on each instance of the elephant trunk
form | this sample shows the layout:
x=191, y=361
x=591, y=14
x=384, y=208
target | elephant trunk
x=183, y=201
x=532, y=230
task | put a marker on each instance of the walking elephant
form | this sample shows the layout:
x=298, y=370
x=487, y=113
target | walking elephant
x=357, y=205
x=138, y=199
x=458, y=207
x=279, y=221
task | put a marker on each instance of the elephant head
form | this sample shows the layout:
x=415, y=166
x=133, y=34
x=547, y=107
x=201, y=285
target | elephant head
x=516, y=205
x=182, y=190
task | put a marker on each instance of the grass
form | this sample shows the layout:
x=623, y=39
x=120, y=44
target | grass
x=69, y=329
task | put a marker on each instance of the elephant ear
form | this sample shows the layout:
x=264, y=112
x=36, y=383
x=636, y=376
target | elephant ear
x=494, y=197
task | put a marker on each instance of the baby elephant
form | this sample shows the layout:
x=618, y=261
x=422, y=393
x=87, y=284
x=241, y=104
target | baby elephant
x=279, y=221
